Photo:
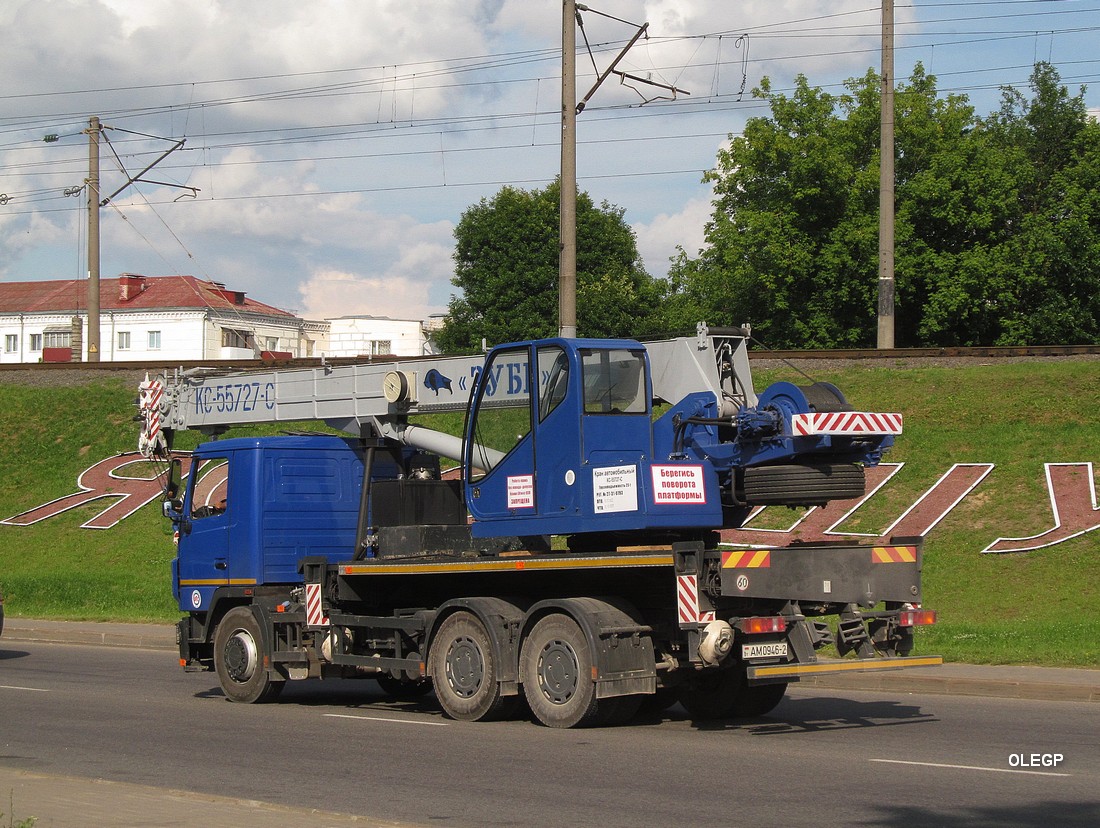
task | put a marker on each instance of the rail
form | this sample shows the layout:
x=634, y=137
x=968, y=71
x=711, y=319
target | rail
x=854, y=354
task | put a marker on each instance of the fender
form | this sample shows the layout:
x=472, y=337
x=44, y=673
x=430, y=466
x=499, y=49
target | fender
x=503, y=620
x=195, y=631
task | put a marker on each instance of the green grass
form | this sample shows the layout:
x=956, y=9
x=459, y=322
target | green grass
x=1040, y=607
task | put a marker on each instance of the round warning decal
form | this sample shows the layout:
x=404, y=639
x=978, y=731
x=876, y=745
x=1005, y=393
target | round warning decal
x=196, y=599
x=742, y=582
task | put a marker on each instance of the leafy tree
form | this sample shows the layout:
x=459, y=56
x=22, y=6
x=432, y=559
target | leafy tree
x=996, y=236
x=506, y=266
x=1053, y=293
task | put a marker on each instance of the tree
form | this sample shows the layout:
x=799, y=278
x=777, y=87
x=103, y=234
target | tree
x=778, y=189
x=996, y=237
x=1053, y=295
x=506, y=266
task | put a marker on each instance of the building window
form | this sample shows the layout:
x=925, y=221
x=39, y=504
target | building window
x=154, y=340
x=124, y=340
x=272, y=343
x=57, y=339
x=36, y=342
x=232, y=338
x=381, y=347
x=11, y=343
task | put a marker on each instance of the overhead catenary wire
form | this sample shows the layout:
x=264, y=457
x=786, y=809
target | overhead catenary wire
x=387, y=78
x=779, y=29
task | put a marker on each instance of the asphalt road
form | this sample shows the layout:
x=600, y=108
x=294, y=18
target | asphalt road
x=824, y=757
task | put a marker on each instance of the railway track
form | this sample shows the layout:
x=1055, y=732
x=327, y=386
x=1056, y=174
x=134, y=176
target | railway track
x=854, y=354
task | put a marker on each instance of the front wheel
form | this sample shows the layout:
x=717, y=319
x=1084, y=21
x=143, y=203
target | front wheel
x=238, y=659
x=556, y=668
x=464, y=671
x=403, y=688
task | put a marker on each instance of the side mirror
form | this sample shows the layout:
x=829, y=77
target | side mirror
x=172, y=485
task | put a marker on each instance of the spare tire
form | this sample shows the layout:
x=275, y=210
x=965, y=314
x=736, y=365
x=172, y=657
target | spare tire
x=802, y=485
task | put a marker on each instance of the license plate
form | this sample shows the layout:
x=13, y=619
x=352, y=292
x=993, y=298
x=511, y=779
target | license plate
x=775, y=649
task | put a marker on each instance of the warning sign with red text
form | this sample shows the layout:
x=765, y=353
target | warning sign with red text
x=678, y=484
x=521, y=491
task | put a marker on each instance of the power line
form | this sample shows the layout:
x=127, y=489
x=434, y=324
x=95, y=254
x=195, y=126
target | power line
x=483, y=122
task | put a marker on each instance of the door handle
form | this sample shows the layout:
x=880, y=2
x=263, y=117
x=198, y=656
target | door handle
x=221, y=565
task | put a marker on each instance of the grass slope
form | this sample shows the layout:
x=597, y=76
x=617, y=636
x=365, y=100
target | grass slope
x=1040, y=607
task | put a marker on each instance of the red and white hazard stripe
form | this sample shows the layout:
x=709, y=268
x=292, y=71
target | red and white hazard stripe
x=315, y=612
x=845, y=423
x=687, y=601
x=149, y=394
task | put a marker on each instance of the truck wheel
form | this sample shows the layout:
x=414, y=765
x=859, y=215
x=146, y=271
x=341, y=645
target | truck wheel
x=758, y=699
x=238, y=659
x=713, y=694
x=619, y=710
x=556, y=665
x=464, y=672
x=657, y=703
x=404, y=688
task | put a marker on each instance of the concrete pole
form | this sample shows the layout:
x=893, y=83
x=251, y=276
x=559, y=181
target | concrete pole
x=93, y=239
x=886, y=185
x=567, y=262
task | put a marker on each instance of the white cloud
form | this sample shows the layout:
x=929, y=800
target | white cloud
x=659, y=238
x=329, y=294
x=317, y=193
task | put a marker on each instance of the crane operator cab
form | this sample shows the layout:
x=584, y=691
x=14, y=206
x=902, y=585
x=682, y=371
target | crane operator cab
x=559, y=440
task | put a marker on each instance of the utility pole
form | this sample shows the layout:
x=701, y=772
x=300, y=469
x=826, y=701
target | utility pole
x=886, y=184
x=94, y=129
x=567, y=261
x=570, y=108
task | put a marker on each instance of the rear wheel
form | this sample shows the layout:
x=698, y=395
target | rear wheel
x=619, y=710
x=758, y=700
x=556, y=668
x=464, y=671
x=712, y=694
x=657, y=703
x=238, y=659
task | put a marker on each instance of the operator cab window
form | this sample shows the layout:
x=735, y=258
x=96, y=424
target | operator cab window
x=502, y=420
x=553, y=379
x=614, y=381
x=211, y=488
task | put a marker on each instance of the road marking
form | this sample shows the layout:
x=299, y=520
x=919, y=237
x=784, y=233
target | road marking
x=31, y=689
x=383, y=719
x=969, y=767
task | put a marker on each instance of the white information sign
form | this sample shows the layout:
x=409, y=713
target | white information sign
x=521, y=491
x=615, y=489
x=678, y=484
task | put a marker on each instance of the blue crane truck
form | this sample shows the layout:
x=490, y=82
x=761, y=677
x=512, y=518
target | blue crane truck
x=572, y=558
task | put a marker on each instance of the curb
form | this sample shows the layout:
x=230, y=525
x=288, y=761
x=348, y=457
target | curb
x=143, y=636
x=981, y=681
x=991, y=681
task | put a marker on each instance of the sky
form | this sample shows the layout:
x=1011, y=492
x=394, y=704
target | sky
x=331, y=147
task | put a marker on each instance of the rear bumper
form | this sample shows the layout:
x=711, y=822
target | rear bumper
x=793, y=672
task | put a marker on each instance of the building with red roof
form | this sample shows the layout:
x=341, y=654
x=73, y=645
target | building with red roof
x=145, y=318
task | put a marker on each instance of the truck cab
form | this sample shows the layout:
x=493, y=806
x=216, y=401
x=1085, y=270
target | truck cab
x=253, y=507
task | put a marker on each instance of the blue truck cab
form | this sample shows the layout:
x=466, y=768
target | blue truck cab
x=254, y=507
